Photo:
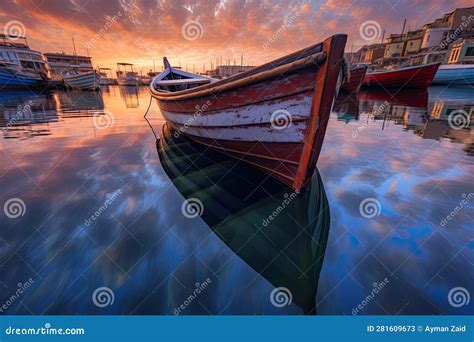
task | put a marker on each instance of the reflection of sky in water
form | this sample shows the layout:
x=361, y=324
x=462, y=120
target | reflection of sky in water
x=141, y=246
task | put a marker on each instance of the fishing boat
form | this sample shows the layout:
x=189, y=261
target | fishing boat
x=355, y=80
x=20, y=67
x=238, y=203
x=106, y=77
x=455, y=74
x=273, y=116
x=75, y=71
x=125, y=75
x=410, y=77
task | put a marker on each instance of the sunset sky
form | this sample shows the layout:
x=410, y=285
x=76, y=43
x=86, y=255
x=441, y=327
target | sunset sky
x=193, y=32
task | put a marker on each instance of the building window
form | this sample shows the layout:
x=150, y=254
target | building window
x=469, y=51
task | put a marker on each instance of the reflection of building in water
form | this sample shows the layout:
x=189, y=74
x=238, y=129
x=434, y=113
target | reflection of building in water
x=130, y=96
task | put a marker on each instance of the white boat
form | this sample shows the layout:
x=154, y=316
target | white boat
x=84, y=81
x=455, y=74
x=74, y=71
x=20, y=66
x=127, y=76
x=105, y=79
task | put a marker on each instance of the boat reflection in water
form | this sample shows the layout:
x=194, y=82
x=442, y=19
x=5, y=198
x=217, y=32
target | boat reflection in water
x=281, y=234
x=130, y=96
x=435, y=113
x=26, y=114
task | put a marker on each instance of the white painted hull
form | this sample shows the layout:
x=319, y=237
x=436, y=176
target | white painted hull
x=86, y=81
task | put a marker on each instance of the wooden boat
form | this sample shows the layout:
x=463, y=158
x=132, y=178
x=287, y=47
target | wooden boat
x=410, y=77
x=273, y=116
x=83, y=81
x=355, y=80
x=237, y=201
x=455, y=74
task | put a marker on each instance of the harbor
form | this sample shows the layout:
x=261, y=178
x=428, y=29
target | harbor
x=332, y=179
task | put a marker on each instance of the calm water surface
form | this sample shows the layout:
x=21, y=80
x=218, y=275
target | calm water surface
x=71, y=156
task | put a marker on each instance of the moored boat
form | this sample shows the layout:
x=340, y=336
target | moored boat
x=75, y=71
x=356, y=78
x=455, y=74
x=238, y=203
x=20, y=67
x=273, y=116
x=125, y=75
x=105, y=78
x=83, y=81
x=410, y=77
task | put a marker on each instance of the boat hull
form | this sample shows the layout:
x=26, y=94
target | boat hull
x=276, y=123
x=355, y=81
x=86, y=81
x=10, y=80
x=454, y=76
x=412, y=77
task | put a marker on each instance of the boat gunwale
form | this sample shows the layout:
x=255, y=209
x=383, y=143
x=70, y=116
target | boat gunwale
x=239, y=80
